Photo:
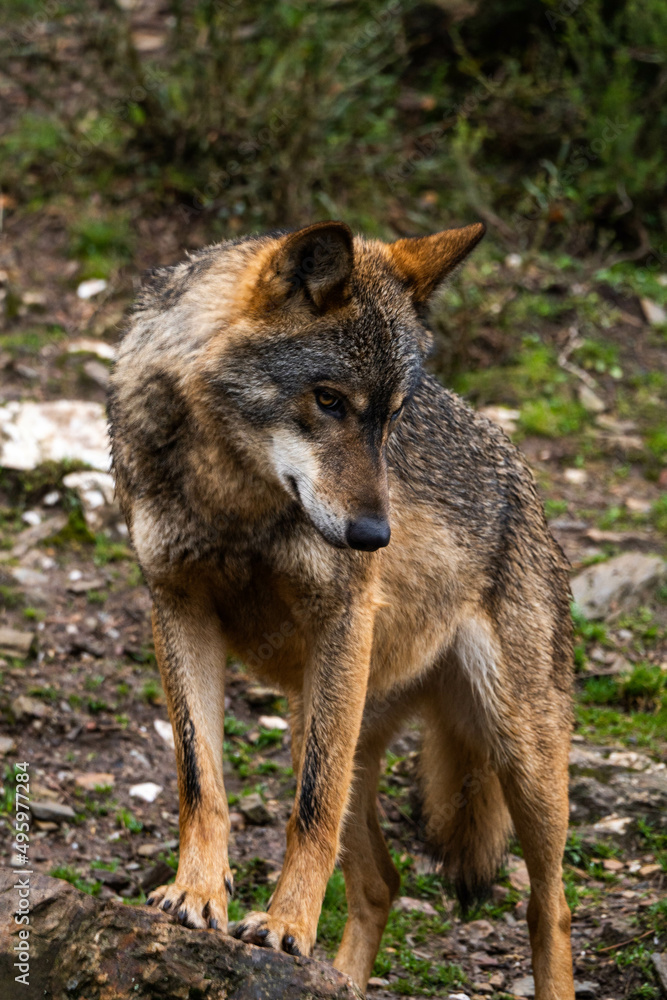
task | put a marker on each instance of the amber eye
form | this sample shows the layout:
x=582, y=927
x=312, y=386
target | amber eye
x=329, y=402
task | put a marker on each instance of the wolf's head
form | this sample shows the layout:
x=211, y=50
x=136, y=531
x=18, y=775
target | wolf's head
x=321, y=360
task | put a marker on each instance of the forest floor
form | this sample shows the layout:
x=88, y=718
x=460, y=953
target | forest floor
x=568, y=351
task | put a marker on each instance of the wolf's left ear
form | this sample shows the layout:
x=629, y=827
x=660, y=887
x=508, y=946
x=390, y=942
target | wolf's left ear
x=315, y=262
x=425, y=261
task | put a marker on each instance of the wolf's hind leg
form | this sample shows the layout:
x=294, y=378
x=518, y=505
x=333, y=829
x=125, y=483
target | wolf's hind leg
x=535, y=781
x=191, y=654
x=371, y=880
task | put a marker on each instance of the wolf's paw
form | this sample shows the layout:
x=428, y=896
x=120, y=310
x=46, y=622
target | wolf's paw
x=192, y=906
x=273, y=932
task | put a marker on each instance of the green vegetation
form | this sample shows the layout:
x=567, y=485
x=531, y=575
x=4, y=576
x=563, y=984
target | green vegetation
x=71, y=875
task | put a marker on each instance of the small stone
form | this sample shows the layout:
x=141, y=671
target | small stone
x=513, y=260
x=273, y=722
x=83, y=586
x=647, y=870
x=638, y=506
x=480, y=929
x=254, y=810
x=7, y=745
x=613, y=824
x=376, y=982
x=518, y=874
x=87, y=345
x=147, y=791
x=236, y=821
x=97, y=372
x=653, y=312
x=260, y=695
x=51, y=499
x=524, y=987
x=406, y=904
x=32, y=517
x=55, y=812
x=503, y=416
x=659, y=960
x=590, y=400
x=25, y=707
x=90, y=288
x=165, y=732
x=575, y=476
x=114, y=880
x=486, y=989
x=612, y=865
x=90, y=781
x=159, y=874
x=586, y=990
x=15, y=643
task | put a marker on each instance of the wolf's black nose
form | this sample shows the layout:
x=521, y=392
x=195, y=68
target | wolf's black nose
x=368, y=533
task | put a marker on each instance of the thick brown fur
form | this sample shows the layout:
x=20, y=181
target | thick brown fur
x=271, y=423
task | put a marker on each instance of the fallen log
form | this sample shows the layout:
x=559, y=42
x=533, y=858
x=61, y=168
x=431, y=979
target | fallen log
x=81, y=948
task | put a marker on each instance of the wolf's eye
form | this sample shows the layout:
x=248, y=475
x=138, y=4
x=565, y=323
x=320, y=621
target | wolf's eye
x=329, y=402
x=396, y=414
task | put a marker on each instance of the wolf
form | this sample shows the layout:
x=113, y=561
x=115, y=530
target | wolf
x=301, y=494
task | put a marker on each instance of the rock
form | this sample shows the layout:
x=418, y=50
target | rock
x=87, y=345
x=479, y=929
x=15, y=643
x=273, y=722
x=54, y=812
x=590, y=400
x=586, y=990
x=36, y=534
x=32, y=517
x=150, y=850
x=114, y=880
x=653, y=312
x=613, y=824
x=147, y=791
x=164, y=730
x=138, y=951
x=406, y=904
x=619, y=584
x=524, y=987
x=629, y=760
x=25, y=707
x=590, y=798
x=7, y=745
x=260, y=695
x=94, y=779
x=90, y=288
x=575, y=476
x=97, y=372
x=33, y=433
x=641, y=793
x=236, y=821
x=159, y=874
x=501, y=415
x=254, y=811
x=377, y=983
x=518, y=874
x=83, y=586
x=96, y=492
x=659, y=960
x=638, y=506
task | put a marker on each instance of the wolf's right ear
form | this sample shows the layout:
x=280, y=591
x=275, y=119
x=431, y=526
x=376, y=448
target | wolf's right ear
x=315, y=262
x=424, y=262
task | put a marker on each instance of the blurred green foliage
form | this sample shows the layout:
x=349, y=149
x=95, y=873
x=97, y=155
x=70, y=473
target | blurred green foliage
x=546, y=117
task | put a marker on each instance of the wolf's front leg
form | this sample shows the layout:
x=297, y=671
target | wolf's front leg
x=191, y=654
x=334, y=696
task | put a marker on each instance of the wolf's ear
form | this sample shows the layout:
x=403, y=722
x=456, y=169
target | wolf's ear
x=316, y=261
x=425, y=261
